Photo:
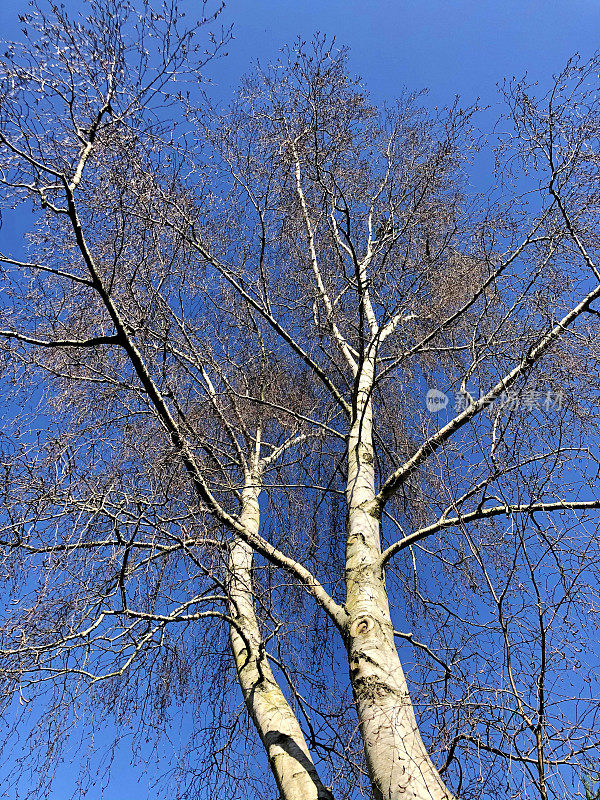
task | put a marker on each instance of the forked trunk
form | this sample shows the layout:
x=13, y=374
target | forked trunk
x=275, y=721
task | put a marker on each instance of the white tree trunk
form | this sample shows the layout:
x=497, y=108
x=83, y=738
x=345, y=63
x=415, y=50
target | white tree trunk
x=275, y=721
x=399, y=765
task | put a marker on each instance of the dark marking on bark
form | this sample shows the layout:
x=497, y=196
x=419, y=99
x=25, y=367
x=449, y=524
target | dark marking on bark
x=371, y=688
x=275, y=738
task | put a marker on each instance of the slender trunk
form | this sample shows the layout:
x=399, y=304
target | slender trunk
x=275, y=721
x=399, y=765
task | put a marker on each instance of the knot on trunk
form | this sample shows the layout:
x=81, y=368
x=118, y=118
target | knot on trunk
x=361, y=626
x=367, y=456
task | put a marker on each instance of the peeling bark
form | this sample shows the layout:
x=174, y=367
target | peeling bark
x=275, y=721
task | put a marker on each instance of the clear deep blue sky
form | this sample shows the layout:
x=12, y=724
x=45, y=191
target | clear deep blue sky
x=450, y=47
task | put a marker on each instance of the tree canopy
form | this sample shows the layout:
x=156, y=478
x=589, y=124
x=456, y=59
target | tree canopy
x=302, y=435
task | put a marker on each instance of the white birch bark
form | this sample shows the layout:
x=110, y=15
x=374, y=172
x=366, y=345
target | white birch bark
x=275, y=721
x=398, y=763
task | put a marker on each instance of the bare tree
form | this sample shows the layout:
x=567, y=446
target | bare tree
x=221, y=469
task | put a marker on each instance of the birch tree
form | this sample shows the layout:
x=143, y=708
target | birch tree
x=300, y=431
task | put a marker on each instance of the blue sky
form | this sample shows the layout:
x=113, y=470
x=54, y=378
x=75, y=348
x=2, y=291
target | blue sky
x=450, y=47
